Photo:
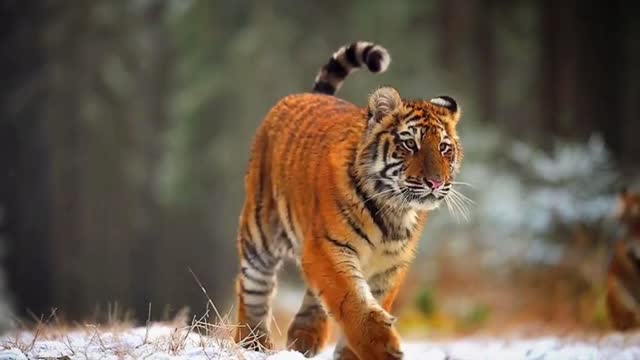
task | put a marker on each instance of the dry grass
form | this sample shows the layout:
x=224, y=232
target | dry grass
x=172, y=337
x=211, y=333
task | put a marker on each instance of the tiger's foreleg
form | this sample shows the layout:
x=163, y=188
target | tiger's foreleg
x=333, y=271
x=385, y=289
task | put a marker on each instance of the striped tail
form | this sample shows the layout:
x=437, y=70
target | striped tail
x=347, y=59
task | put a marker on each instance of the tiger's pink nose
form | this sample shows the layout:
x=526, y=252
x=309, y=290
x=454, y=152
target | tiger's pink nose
x=435, y=184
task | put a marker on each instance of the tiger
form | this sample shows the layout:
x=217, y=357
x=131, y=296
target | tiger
x=623, y=276
x=344, y=191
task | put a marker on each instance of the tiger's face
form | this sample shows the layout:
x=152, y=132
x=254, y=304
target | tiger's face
x=411, y=150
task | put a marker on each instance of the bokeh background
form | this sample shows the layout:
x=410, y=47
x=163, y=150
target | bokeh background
x=125, y=129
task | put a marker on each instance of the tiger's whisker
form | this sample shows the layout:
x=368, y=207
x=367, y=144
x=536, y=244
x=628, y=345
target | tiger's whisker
x=463, y=183
x=462, y=196
x=386, y=192
x=462, y=208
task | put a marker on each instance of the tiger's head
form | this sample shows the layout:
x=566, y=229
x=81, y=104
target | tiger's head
x=411, y=152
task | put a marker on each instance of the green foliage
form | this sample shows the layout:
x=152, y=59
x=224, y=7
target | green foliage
x=478, y=315
x=600, y=315
x=426, y=302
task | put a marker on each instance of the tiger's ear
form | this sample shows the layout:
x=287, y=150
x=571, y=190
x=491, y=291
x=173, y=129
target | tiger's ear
x=383, y=102
x=450, y=104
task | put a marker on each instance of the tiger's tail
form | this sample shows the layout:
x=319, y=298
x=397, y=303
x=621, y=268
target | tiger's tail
x=347, y=59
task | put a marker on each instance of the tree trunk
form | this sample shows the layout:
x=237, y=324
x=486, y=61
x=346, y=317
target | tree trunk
x=601, y=67
x=24, y=159
x=558, y=72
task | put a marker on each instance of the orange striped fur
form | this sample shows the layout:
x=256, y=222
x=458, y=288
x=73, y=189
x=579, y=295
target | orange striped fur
x=623, y=278
x=345, y=192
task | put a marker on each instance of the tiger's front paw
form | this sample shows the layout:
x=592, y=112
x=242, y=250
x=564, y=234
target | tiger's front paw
x=379, y=340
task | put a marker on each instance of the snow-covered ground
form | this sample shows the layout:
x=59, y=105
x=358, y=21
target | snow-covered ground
x=164, y=342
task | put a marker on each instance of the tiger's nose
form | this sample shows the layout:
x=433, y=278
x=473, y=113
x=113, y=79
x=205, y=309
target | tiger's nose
x=435, y=184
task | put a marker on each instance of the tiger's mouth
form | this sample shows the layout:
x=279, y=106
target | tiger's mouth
x=423, y=199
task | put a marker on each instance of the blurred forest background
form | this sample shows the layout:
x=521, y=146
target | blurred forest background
x=125, y=129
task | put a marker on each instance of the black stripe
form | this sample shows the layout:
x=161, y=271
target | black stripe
x=289, y=218
x=365, y=53
x=374, y=61
x=343, y=245
x=385, y=150
x=250, y=254
x=247, y=275
x=373, y=148
x=388, y=167
x=372, y=208
x=395, y=252
x=324, y=87
x=351, y=55
x=380, y=186
x=393, y=167
x=355, y=226
x=417, y=184
x=256, y=292
x=252, y=262
x=288, y=223
x=358, y=230
x=256, y=306
x=256, y=310
x=385, y=273
x=287, y=239
x=334, y=67
x=258, y=210
x=265, y=241
x=411, y=119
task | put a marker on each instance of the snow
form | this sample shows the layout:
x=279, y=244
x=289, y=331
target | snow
x=161, y=342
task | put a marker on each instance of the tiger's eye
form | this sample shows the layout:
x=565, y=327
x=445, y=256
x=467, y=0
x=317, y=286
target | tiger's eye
x=410, y=144
x=445, y=148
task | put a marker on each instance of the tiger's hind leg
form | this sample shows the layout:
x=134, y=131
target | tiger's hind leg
x=260, y=259
x=259, y=250
x=255, y=288
x=309, y=330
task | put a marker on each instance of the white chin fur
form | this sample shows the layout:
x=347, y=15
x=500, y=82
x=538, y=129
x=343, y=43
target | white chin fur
x=428, y=206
